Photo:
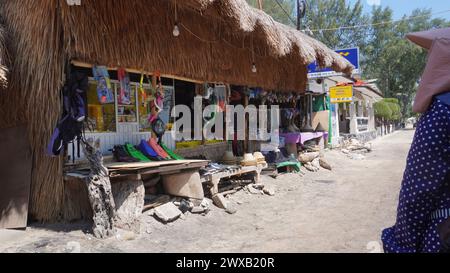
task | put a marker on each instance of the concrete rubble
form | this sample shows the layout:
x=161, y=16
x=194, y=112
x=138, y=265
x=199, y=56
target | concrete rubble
x=355, y=150
x=167, y=212
x=269, y=190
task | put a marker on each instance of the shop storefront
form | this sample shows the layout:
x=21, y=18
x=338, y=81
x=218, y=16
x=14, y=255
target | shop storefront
x=206, y=49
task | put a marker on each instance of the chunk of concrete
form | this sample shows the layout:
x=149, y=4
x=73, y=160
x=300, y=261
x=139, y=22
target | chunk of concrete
x=252, y=190
x=185, y=184
x=269, y=190
x=167, y=212
x=258, y=186
x=129, y=200
x=230, y=209
x=220, y=201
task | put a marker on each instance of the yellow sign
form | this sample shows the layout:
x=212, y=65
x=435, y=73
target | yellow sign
x=340, y=94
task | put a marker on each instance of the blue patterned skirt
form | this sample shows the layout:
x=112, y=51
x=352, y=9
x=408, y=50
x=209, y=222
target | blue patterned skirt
x=424, y=200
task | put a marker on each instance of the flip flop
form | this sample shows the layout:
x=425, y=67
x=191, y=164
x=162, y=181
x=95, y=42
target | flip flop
x=155, y=146
x=171, y=153
x=135, y=153
x=148, y=151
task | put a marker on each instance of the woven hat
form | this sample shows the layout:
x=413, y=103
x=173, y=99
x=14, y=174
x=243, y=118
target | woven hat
x=249, y=160
x=260, y=158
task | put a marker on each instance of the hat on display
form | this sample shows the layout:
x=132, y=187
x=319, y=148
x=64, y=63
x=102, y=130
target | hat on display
x=249, y=160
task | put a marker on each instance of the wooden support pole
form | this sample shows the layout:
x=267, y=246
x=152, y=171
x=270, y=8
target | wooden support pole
x=246, y=146
x=260, y=4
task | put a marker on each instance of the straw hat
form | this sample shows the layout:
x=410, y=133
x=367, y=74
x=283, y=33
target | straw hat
x=260, y=158
x=435, y=78
x=249, y=160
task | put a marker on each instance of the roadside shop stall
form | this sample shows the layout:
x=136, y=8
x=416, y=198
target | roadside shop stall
x=144, y=56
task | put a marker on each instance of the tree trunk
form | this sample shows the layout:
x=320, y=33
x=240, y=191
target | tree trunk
x=99, y=191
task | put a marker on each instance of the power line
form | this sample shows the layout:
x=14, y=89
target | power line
x=380, y=23
x=287, y=13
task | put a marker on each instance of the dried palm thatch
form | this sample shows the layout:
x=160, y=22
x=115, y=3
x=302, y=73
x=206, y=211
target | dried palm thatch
x=32, y=97
x=4, y=57
x=220, y=39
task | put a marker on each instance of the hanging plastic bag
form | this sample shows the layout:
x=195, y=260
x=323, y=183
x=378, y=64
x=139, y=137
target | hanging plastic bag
x=157, y=102
x=104, y=90
x=125, y=89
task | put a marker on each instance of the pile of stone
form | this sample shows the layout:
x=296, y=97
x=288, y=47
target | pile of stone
x=313, y=161
x=166, y=209
x=354, y=149
x=260, y=189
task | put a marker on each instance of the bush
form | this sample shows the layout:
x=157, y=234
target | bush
x=388, y=109
x=382, y=110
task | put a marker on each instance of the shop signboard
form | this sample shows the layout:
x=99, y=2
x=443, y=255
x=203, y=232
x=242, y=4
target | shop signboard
x=341, y=94
x=351, y=54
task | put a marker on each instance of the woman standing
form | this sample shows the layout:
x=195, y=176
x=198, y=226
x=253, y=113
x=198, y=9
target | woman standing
x=424, y=202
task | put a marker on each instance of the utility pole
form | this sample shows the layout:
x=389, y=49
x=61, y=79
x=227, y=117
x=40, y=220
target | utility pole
x=301, y=12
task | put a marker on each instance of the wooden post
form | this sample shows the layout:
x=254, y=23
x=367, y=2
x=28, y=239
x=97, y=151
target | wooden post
x=260, y=4
x=99, y=191
x=155, y=89
x=246, y=148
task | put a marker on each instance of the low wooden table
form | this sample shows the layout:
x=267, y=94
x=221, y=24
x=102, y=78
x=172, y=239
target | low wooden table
x=126, y=180
x=213, y=180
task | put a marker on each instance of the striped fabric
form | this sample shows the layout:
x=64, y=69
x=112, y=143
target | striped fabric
x=441, y=214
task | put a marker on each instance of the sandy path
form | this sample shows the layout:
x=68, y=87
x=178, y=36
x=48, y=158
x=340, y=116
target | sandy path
x=339, y=211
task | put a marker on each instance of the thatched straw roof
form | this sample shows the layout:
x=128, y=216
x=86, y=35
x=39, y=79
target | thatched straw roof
x=219, y=41
x=4, y=58
x=281, y=39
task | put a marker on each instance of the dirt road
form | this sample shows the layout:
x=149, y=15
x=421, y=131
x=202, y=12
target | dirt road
x=339, y=211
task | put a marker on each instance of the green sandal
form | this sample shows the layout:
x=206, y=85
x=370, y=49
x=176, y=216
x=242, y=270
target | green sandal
x=170, y=152
x=135, y=153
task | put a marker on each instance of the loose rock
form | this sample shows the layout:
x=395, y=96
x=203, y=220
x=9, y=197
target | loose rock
x=324, y=164
x=252, y=190
x=308, y=157
x=269, y=190
x=258, y=186
x=220, y=201
x=167, y=212
x=230, y=209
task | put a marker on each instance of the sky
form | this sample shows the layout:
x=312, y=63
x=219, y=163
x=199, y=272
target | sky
x=402, y=7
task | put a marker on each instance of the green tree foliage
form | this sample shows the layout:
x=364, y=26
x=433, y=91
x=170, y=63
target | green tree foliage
x=388, y=109
x=393, y=60
x=332, y=14
x=382, y=110
x=386, y=54
x=272, y=8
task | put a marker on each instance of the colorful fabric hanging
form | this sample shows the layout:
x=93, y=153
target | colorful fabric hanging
x=104, y=90
x=125, y=89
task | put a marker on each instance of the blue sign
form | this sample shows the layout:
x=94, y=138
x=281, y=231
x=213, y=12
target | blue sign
x=351, y=54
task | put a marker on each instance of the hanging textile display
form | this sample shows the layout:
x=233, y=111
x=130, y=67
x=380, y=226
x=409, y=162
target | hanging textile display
x=142, y=91
x=104, y=90
x=157, y=99
x=70, y=125
x=125, y=88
